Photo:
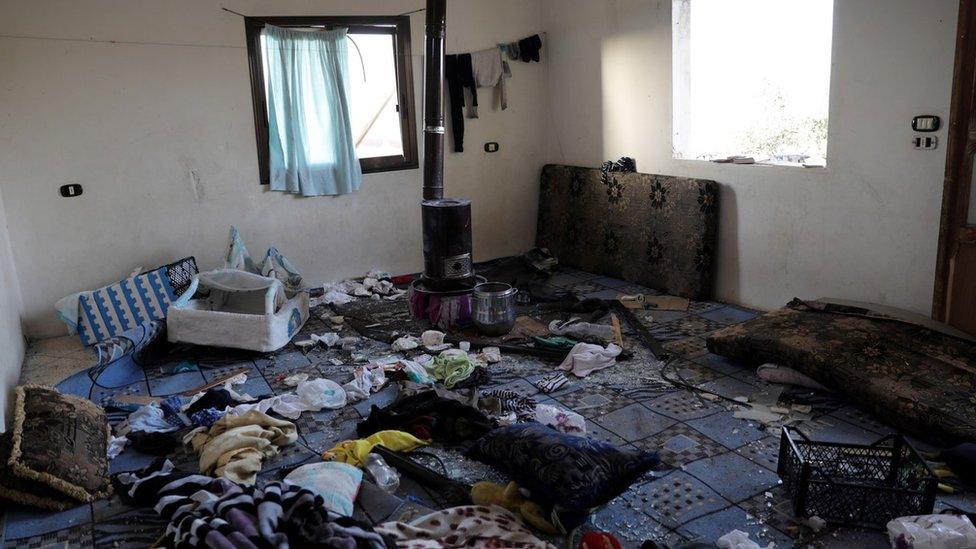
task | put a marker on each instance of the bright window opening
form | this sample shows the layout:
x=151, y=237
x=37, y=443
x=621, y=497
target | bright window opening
x=751, y=80
x=375, y=120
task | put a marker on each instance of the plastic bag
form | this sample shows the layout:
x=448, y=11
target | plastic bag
x=932, y=532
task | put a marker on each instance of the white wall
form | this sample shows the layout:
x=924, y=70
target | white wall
x=131, y=120
x=865, y=227
x=11, y=335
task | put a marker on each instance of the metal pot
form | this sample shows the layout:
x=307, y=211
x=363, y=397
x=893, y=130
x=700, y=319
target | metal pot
x=493, y=308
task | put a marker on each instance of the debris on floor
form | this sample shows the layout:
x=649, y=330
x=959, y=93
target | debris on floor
x=539, y=436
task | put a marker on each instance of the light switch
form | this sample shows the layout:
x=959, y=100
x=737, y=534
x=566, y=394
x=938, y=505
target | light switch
x=926, y=123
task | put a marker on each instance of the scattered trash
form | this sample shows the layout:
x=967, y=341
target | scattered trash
x=815, y=523
x=294, y=380
x=932, y=532
x=585, y=358
x=737, y=539
x=405, y=343
x=491, y=354
x=583, y=331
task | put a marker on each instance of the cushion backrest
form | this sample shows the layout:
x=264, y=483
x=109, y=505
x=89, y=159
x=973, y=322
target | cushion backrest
x=654, y=230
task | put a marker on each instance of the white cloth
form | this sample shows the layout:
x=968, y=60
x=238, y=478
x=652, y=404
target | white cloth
x=486, y=65
x=309, y=396
x=405, y=343
x=366, y=379
x=115, y=446
x=585, y=358
x=736, y=539
x=432, y=338
x=932, y=532
x=562, y=420
x=148, y=418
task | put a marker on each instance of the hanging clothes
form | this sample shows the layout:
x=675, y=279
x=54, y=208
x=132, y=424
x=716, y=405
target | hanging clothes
x=489, y=72
x=311, y=147
x=459, y=75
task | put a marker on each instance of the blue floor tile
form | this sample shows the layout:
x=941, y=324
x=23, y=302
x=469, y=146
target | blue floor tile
x=634, y=422
x=24, y=522
x=596, y=432
x=129, y=460
x=683, y=405
x=832, y=429
x=728, y=430
x=729, y=387
x=728, y=315
x=709, y=528
x=175, y=383
x=721, y=364
x=602, y=294
x=628, y=523
x=613, y=283
x=733, y=476
x=381, y=399
x=675, y=499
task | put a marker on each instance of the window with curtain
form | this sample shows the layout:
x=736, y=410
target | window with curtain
x=333, y=99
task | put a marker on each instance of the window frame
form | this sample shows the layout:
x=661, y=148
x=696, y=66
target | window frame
x=397, y=26
x=681, y=94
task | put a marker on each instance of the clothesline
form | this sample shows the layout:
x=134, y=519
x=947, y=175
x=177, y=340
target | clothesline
x=542, y=34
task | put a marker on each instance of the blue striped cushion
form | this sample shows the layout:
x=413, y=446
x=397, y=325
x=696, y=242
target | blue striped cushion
x=111, y=310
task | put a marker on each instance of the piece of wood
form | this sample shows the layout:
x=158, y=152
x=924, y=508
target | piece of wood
x=666, y=302
x=218, y=381
x=618, y=337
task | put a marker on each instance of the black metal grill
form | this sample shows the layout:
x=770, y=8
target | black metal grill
x=853, y=484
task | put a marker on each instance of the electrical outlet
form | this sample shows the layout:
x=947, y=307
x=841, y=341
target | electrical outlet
x=71, y=190
x=927, y=142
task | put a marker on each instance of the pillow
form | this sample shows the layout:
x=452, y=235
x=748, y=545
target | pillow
x=60, y=441
x=111, y=310
x=566, y=471
x=337, y=483
x=24, y=491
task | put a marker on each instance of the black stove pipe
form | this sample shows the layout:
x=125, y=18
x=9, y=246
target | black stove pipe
x=434, y=100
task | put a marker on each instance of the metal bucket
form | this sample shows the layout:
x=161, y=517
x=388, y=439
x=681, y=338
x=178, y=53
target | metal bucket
x=493, y=308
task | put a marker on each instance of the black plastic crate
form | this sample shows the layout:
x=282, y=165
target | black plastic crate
x=855, y=484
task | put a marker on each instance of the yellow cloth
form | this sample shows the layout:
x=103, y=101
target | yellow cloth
x=354, y=452
x=235, y=446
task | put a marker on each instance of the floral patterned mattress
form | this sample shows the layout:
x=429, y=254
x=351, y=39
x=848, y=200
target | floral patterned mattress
x=655, y=230
x=914, y=377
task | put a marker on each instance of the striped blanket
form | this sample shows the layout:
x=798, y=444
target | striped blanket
x=204, y=511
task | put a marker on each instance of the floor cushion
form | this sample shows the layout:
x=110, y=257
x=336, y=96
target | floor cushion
x=910, y=376
x=25, y=491
x=571, y=472
x=655, y=230
x=60, y=441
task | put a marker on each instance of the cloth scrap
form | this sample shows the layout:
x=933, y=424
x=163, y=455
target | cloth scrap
x=208, y=512
x=450, y=367
x=465, y=526
x=428, y=415
x=235, y=446
x=585, y=358
x=562, y=420
x=354, y=452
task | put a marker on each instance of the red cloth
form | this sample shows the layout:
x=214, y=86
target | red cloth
x=599, y=540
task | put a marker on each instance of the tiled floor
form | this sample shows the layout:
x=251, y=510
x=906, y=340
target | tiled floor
x=717, y=473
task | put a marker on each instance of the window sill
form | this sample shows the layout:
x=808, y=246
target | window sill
x=699, y=162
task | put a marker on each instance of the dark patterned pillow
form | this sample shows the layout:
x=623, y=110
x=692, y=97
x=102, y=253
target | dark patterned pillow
x=566, y=471
x=27, y=492
x=60, y=441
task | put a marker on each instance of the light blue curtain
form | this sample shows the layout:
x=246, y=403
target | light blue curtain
x=312, y=152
